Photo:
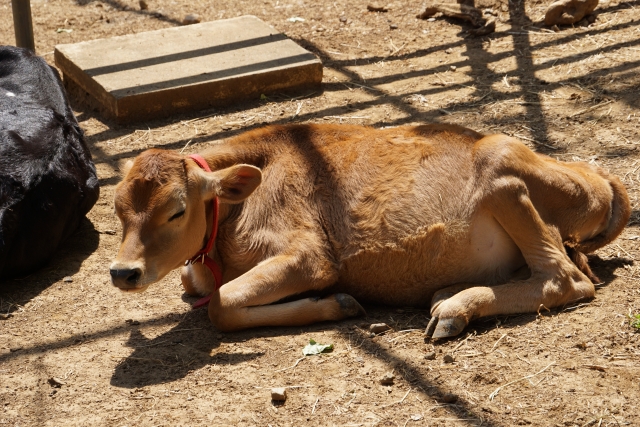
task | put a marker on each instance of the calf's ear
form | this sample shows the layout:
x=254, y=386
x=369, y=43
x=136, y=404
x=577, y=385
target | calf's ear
x=233, y=184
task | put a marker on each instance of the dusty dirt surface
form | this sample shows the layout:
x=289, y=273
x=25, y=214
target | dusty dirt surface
x=76, y=351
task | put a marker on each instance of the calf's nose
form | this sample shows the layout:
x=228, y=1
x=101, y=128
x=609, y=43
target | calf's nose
x=129, y=276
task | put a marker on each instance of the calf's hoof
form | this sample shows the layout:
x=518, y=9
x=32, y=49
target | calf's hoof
x=349, y=306
x=438, y=298
x=445, y=328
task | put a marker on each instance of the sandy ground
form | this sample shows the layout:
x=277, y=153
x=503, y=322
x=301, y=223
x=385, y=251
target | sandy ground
x=76, y=351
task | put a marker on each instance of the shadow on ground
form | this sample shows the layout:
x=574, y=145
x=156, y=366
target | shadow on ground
x=72, y=252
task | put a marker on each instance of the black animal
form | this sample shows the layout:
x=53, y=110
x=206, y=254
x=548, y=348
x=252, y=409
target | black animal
x=48, y=180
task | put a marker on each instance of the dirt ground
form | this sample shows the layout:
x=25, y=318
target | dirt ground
x=76, y=351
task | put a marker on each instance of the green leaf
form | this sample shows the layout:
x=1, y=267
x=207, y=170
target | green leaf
x=634, y=320
x=263, y=97
x=313, y=348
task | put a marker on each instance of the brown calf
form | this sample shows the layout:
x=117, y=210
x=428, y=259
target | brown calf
x=438, y=214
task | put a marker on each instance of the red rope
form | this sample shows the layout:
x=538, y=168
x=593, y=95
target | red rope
x=203, y=254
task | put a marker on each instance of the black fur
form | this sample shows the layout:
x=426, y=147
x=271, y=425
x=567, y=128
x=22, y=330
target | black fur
x=48, y=180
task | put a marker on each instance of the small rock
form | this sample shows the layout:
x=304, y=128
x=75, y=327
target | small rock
x=555, y=28
x=371, y=335
x=449, y=398
x=448, y=51
x=567, y=12
x=191, y=19
x=279, y=394
x=376, y=8
x=376, y=328
x=143, y=5
x=67, y=279
x=448, y=358
x=343, y=19
x=430, y=356
x=132, y=322
x=393, y=26
x=387, y=379
x=453, y=68
x=431, y=19
x=56, y=382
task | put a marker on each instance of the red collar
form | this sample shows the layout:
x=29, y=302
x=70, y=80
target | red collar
x=203, y=254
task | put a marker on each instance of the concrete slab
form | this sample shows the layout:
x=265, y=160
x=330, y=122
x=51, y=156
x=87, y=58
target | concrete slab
x=158, y=73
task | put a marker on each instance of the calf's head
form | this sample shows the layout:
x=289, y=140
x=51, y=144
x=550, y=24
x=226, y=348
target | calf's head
x=163, y=204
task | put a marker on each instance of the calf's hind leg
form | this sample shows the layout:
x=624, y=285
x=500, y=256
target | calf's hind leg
x=246, y=302
x=555, y=280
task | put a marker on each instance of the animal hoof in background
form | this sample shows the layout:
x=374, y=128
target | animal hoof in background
x=349, y=306
x=445, y=328
x=567, y=12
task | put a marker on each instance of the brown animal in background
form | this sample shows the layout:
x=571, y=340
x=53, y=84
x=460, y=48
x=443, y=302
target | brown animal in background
x=438, y=214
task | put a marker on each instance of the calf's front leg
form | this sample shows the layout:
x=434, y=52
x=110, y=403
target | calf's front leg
x=247, y=301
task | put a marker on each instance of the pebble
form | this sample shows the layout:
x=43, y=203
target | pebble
x=449, y=398
x=343, y=19
x=430, y=356
x=376, y=8
x=279, y=394
x=376, y=328
x=143, y=5
x=191, y=19
x=67, y=279
x=431, y=20
x=448, y=51
x=453, y=68
x=393, y=26
x=387, y=379
x=448, y=358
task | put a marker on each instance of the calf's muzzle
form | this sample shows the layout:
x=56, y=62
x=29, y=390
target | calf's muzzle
x=125, y=278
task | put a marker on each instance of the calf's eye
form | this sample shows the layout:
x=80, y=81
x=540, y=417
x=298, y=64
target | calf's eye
x=177, y=215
